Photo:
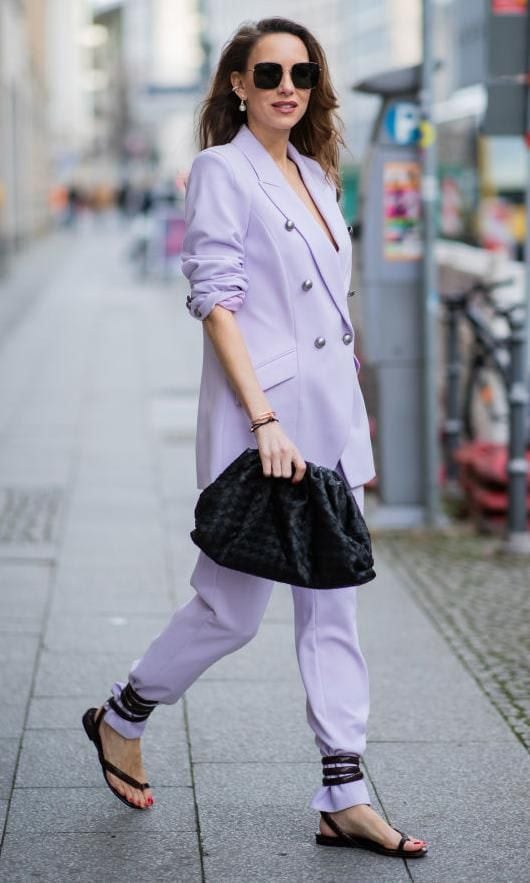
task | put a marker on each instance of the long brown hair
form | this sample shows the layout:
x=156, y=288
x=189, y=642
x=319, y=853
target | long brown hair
x=318, y=134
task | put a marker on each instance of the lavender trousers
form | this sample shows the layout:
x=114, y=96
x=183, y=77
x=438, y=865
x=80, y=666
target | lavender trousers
x=223, y=616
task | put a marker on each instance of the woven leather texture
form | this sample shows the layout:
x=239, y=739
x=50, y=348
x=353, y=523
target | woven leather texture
x=311, y=534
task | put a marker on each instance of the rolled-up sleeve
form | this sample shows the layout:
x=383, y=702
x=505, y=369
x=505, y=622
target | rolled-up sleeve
x=216, y=215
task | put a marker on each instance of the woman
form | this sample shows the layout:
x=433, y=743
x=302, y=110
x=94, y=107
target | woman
x=268, y=257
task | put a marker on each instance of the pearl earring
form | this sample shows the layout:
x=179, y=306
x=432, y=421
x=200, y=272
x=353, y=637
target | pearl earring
x=242, y=106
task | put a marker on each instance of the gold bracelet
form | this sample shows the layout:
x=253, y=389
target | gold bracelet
x=265, y=414
x=256, y=425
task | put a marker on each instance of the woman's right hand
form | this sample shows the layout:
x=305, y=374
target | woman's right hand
x=278, y=454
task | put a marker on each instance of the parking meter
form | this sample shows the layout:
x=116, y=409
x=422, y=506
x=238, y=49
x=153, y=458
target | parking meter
x=390, y=269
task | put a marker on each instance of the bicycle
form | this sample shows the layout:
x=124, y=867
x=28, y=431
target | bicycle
x=485, y=402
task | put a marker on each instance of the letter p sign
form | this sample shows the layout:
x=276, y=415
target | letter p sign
x=402, y=122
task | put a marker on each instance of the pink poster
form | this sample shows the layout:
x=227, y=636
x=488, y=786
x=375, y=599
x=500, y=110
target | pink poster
x=402, y=211
x=508, y=7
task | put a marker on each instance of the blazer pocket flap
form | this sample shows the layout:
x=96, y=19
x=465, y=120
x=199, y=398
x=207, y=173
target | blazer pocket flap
x=277, y=370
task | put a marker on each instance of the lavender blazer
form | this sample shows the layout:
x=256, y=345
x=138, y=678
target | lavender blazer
x=251, y=242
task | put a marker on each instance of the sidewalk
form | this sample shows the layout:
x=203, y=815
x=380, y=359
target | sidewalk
x=97, y=485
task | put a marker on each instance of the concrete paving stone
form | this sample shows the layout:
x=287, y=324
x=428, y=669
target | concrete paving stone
x=52, y=756
x=433, y=712
x=100, y=470
x=3, y=815
x=388, y=616
x=14, y=625
x=263, y=861
x=109, y=633
x=263, y=810
x=12, y=717
x=492, y=863
x=280, y=606
x=18, y=650
x=64, y=713
x=260, y=723
x=60, y=712
x=17, y=662
x=79, y=579
x=103, y=536
x=74, y=674
x=272, y=798
x=27, y=467
x=112, y=858
x=99, y=525
x=113, y=600
x=124, y=509
x=97, y=811
x=23, y=591
x=8, y=761
x=270, y=657
x=476, y=792
x=85, y=553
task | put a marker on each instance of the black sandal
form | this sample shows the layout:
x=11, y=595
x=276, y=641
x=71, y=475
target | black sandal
x=353, y=842
x=92, y=725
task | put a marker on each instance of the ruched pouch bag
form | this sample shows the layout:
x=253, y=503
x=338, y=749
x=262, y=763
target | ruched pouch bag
x=310, y=534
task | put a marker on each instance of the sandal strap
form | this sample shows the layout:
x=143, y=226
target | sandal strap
x=335, y=772
x=124, y=776
x=135, y=708
x=360, y=840
x=333, y=825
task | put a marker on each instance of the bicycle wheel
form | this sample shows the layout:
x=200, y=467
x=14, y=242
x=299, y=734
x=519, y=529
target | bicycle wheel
x=486, y=411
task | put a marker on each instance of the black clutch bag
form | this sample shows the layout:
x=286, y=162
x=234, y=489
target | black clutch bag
x=309, y=534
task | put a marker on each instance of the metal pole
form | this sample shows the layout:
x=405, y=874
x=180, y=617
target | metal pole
x=430, y=298
x=518, y=538
x=453, y=423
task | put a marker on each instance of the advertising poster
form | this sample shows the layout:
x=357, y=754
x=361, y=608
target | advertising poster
x=508, y=7
x=402, y=211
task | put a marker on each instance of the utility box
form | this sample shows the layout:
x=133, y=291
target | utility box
x=391, y=272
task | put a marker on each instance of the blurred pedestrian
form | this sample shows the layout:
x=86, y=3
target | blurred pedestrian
x=268, y=257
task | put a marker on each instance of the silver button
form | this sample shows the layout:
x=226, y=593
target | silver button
x=197, y=312
x=347, y=338
x=320, y=342
x=307, y=284
x=289, y=225
x=351, y=293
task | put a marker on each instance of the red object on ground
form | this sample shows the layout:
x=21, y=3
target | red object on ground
x=484, y=479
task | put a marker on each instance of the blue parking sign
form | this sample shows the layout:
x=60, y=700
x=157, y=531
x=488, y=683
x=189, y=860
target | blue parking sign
x=402, y=122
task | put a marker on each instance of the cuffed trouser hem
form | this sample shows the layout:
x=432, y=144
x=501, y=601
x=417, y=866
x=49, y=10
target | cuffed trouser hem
x=127, y=729
x=331, y=798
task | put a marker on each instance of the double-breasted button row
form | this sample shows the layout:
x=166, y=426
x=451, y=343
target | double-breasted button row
x=321, y=341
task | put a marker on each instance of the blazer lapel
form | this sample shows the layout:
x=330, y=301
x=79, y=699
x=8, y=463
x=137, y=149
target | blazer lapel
x=280, y=192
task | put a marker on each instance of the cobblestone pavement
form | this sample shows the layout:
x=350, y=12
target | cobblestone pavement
x=480, y=600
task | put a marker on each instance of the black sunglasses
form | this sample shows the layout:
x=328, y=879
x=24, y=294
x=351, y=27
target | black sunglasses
x=268, y=74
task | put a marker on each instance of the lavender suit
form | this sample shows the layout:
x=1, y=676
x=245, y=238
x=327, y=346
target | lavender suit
x=252, y=245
